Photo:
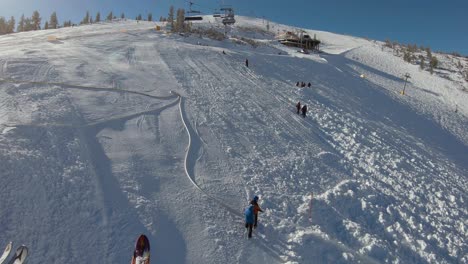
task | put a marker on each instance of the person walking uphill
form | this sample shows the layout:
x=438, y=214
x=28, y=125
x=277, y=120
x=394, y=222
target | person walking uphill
x=304, y=110
x=249, y=218
x=298, y=107
x=247, y=63
x=257, y=209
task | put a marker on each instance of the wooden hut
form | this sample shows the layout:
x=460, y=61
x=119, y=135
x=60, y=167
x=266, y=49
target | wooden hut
x=303, y=41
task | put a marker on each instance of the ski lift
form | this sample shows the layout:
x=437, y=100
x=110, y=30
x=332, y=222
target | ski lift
x=216, y=13
x=228, y=18
x=193, y=18
x=191, y=14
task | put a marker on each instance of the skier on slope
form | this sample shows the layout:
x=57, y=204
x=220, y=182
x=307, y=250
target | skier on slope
x=298, y=107
x=247, y=63
x=257, y=209
x=249, y=218
x=304, y=110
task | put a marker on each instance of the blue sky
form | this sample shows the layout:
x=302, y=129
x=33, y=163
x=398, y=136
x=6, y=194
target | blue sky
x=442, y=25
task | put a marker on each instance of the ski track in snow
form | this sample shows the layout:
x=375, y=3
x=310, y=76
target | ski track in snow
x=90, y=149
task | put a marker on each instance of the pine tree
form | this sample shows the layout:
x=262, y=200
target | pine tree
x=28, y=24
x=98, y=17
x=11, y=25
x=150, y=17
x=421, y=62
x=20, y=27
x=139, y=17
x=85, y=19
x=170, y=17
x=388, y=43
x=122, y=16
x=3, y=26
x=429, y=53
x=36, y=20
x=46, y=25
x=53, y=21
x=433, y=64
x=109, y=17
x=406, y=56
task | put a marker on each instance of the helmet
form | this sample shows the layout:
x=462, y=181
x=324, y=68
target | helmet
x=255, y=198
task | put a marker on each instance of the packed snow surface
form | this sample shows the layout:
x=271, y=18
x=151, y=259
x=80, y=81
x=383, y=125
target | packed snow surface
x=115, y=129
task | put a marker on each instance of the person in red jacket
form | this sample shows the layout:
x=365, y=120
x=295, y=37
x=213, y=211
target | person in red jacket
x=257, y=209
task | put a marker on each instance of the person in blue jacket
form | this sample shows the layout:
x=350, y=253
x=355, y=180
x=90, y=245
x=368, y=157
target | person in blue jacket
x=249, y=218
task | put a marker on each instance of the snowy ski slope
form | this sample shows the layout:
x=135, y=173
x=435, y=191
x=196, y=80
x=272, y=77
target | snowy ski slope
x=116, y=129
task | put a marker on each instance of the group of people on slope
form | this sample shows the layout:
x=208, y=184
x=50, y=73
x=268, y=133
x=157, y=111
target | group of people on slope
x=303, y=109
x=303, y=84
x=251, y=215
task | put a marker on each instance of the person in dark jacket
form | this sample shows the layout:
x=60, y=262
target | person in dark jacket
x=308, y=85
x=247, y=63
x=298, y=107
x=257, y=209
x=249, y=218
x=304, y=110
x=297, y=84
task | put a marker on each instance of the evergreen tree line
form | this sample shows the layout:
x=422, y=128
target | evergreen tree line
x=34, y=22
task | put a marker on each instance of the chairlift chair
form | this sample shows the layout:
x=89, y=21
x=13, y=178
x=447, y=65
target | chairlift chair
x=228, y=18
x=191, y=15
